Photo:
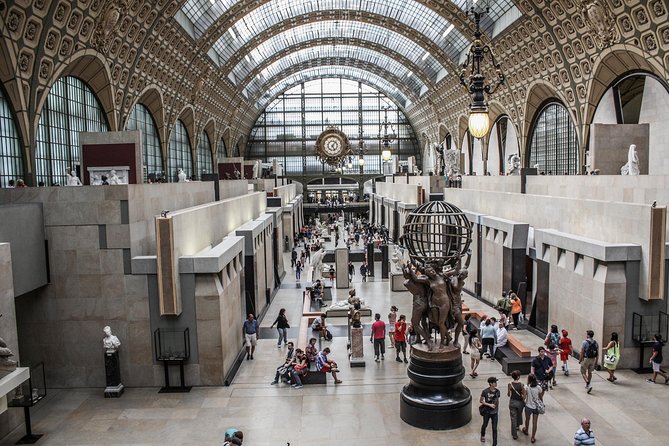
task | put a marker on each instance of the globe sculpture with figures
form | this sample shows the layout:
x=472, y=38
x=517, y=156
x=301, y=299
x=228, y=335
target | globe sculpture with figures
x=437, y=236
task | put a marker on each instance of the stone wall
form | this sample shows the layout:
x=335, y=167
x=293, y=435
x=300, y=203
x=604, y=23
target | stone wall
x=11, y=418
x=220, y=314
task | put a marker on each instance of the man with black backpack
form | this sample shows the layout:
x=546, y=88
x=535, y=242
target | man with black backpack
x=588, y=358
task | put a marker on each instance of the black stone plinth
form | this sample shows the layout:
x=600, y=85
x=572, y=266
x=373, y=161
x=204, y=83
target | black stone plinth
x=435, y=398
x=114, y=387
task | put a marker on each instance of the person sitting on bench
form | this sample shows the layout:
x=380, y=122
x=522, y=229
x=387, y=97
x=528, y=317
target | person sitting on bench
x=325, y=365
x=283, y=371
x=299, y=369
x=320, y=326
x=311, y=351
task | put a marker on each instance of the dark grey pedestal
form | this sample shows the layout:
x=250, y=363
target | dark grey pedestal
x=435, y=398
x=114, y=387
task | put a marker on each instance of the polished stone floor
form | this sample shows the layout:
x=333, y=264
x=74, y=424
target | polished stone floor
x=364, y=410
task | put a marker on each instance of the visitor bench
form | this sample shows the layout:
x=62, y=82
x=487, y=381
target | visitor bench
x=514, y=356
x=517, y=346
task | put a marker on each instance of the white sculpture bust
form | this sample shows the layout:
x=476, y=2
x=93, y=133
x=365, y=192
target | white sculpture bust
x=513, y=165
x=110, y=342
x=632, y=165
x=72, y=178
x=182, y=176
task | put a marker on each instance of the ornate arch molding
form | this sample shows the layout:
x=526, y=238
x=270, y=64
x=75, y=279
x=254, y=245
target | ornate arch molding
x=539, y=93
x=89, y=66
x=151, y=98
x=417, y=71
x=614, y=63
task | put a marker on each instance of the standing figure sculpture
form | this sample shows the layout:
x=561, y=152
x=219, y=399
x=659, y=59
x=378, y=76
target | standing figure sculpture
x=181, y=176
x=632, y=165
x=420, y=293
x=439, y=165
x=317, y=264
x=72, y=178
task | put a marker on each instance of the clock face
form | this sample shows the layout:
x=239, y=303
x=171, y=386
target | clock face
x=332, y=145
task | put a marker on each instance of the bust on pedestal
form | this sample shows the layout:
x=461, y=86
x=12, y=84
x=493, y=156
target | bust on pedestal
x=110, y=344
x=356, y=358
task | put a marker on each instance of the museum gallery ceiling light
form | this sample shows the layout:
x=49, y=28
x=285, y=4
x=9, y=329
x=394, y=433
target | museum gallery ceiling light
x=386, y=138
x=473, y=78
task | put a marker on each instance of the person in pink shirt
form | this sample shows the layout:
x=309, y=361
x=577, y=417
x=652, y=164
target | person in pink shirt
x=378, y=337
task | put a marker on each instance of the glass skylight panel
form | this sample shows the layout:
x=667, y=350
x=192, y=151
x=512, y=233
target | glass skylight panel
x=336, y=55
x=331, y=71
x=408, y=12
x=343, y=30
x=203, y=13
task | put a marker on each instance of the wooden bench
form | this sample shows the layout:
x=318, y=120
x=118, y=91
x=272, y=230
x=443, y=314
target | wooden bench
x=517, y=346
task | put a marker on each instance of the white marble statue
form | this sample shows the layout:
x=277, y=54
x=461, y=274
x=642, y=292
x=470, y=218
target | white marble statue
x=513, y=164
x=96, y=180
x=6, y=364
x=451, y=162
x=632, y=165
x=182, y=176
x=317, y=264
x=397, y=260
x=110, y=342
x=72, y=179
x=114, y=179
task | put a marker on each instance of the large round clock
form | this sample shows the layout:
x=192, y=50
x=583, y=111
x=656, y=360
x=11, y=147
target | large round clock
x=332, y=146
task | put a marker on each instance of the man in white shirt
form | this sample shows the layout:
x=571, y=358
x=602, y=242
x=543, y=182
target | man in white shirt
x=501, y=336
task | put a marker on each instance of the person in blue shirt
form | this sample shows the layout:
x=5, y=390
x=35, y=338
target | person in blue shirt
x=250, y=330
x=584, y=436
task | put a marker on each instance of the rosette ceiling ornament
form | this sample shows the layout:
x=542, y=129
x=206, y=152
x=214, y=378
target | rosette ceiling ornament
x=333, y=148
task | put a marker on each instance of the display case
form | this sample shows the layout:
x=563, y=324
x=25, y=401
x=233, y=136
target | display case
x=26, y=395
x=29, y=392
x=172, y=347
x=172, y=344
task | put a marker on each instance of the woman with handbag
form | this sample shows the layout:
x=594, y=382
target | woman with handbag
x=282, y=327
x=534, y=405
x=612, y=356
x=516, y=393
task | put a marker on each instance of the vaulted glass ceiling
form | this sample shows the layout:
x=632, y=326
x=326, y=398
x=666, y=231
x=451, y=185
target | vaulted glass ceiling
x=267, y=27
x=342, y=31
x=336, y=55
x=407, y=12
x=324, y=71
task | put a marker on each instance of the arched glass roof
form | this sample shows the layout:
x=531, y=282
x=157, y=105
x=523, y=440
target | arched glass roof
x=344, y=29
x=407, y=12
x=332, y=54
x=367, y=77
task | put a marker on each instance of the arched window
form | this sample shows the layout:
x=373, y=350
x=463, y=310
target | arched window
x=70, y=108
x=554, y=144
x=141, y=119
x=503, y=144
x=221, y=150
x=296, y=118
x=204, y=162
x=11, y=161
x=180, y=153
x=466, y=150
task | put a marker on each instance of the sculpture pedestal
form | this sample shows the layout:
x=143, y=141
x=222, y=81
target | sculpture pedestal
x=435, y=398
x=114, y=387
x=356, y=358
